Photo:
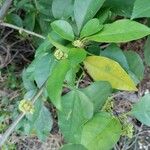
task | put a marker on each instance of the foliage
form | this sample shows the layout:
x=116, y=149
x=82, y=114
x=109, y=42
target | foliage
x=105, y=69
x=71, y=29
x=141, y=9
x=147, y=52
x=141, y=110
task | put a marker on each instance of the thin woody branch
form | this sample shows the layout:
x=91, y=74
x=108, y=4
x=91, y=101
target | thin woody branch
x=21, y=29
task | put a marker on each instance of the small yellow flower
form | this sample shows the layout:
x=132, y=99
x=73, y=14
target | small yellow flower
x=128, y=130
x=26, y=106
x=108, y=106
x=59, y=54
x=78, y=44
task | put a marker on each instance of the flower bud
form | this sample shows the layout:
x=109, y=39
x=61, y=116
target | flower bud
x=78, y=44
x=26, y=106
x=128, y=130
x=59, y=54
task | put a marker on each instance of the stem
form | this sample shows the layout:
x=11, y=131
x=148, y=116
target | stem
x=5, y=8
x=38, y=94
x=19, y=118
x=68, y=86
x=10, y=129
x=21, y=29
x=90, y=54
x=35, y=2
x=78, y=82
x=117, y=94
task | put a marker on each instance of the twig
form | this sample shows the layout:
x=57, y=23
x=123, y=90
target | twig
x=136, y=138
x=21, y=30
x=10, y=129
x=104, y=46
x=79, y=80
x=117, y=94
x=8, y=132
x=5, y=8
x=117, y=147
x=5, y=36
x=11, y=59
x=129, y=144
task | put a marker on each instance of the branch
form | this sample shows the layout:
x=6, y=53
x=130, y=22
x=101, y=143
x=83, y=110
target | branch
x=9, y=131
x=21, y=30
x=5, y=8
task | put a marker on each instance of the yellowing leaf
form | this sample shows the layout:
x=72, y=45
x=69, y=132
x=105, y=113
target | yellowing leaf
x=105, y=69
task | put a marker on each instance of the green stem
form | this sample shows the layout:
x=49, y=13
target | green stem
x=78, y=82
x=90, y=53
x=36, y=5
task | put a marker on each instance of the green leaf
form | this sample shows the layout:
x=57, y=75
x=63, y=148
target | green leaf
x=36, y=71
x=43, y=124
x=43, y=69
x=29, y=21
x=76, y=56
x=91, y=27
x=147, y=51
x=135, y=63
x=20, y=4
x=40, y=123
x=44, y=47
x=14, y=19
x=141, y=9
x=64, y=29
x=55, y=38
x=84, y=10
x=56, y=44
x=73, y=147
x=134, y=77
x=121, y=31
x=28, y=76
x=115, y=53
x=27, y=7
x=71, y=76
x=43, y=23
x=98, y=92
x=101, y=133
x=104, y=69
x=71, y=119
x=74, y=114
x=62, y=9
x=120, y=7
x=43, y=7
x=94, y=48
x=141, y=110
x=28, y=80
x=55, y=82
x=104, y=15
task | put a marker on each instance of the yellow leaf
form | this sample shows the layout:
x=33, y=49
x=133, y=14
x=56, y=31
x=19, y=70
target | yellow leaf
x=105, y=69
